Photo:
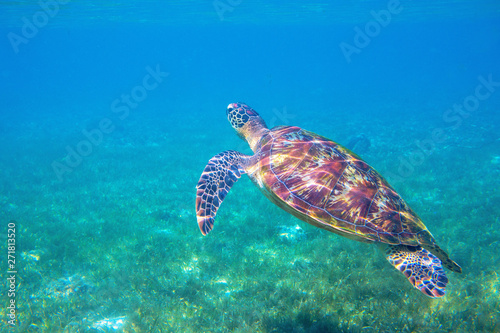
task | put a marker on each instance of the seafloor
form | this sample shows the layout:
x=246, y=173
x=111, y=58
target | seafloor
x=115, y=247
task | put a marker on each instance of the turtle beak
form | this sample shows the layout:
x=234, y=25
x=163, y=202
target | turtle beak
x=230, y=108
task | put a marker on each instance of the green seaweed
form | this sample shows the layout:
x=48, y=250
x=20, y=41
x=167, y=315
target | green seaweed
x=125, y=220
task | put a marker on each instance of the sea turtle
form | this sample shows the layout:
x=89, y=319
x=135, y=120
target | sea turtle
x=328, y=186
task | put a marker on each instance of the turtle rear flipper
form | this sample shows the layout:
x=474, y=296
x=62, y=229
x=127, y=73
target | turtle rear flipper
x=422, y=268
x=221, y=172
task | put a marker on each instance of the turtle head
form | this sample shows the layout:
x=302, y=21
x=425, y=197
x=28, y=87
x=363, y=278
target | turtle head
x=247, y=122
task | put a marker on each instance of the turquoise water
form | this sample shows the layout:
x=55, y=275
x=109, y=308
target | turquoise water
x=110, y=112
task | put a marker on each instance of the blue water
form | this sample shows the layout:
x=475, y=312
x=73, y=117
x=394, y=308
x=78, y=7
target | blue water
x=110, y=112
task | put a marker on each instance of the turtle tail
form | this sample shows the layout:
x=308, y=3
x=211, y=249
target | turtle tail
x=221, y=172
x=443, y=256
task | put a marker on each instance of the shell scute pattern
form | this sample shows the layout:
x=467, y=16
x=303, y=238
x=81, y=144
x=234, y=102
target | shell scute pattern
x=352, y=195
x=328, y=183
x=298, y=203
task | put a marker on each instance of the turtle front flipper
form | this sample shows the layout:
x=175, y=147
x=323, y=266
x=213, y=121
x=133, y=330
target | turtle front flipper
x=422, y=268
x=221, y=172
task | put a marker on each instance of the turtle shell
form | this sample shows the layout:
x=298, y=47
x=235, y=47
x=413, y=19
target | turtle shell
x=330, y=187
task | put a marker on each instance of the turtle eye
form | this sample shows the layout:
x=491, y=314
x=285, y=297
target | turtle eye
x=229, y=110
